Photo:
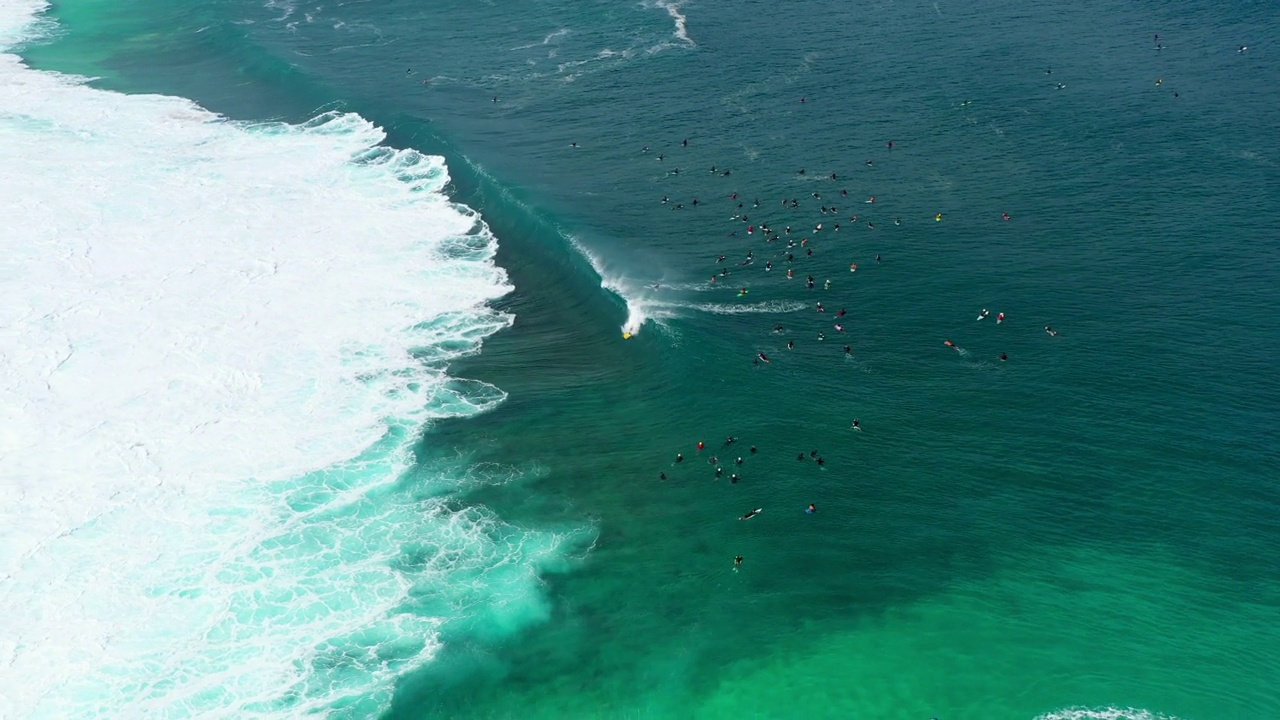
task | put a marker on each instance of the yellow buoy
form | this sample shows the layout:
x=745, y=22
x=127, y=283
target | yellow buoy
x=626, y=336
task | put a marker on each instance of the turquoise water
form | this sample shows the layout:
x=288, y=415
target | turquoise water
x=1084, y=530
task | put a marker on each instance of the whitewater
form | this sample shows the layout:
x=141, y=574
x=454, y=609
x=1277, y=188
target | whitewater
x=219, y=343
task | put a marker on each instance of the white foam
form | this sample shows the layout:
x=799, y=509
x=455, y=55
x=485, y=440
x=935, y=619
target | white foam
x=1105, y=713
x=217, y=342
x=763, y=308
x=681, y=31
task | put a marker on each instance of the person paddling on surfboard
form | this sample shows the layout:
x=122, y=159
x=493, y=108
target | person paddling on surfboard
x=752, y=514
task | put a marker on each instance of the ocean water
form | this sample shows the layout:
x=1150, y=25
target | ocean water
x=317, y=400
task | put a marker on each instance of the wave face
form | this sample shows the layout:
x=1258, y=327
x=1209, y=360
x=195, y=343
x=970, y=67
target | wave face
x=219, y=344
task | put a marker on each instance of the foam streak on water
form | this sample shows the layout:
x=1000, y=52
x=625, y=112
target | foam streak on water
x=217, y=342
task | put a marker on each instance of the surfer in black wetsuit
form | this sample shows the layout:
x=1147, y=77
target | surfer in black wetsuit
x=752, y=514
x=737, y=562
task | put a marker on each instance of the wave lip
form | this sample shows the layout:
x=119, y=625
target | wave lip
x=220, y=341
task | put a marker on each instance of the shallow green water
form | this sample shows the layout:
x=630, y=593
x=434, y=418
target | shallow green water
x=1091, y=523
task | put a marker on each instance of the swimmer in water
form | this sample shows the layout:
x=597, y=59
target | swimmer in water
x=719, y=471
x=662, y=476
x=1004, y=356
x=871, y=199
x=983, y=315
x=685, y=143
x=791, y=344
x=877, y=259
x=949, y=344
x=752, y=514
x=841, y=313
x=1051, y=331
x=826, y=285
x=734, y=478
x=857, y=425
x=853, y=267
x=821, y=462
x=753, y=449
x=737, y=561
x=812, y=509
x=890, y=144
x=1005, y=216
x=1061, y=85
x=820, y=308
x=821, y=336
x=848, y=350
x=778, y=329
x=679, y=457
x=800, y=456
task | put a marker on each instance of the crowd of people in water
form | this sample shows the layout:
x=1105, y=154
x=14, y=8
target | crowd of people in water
x=785, y=245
